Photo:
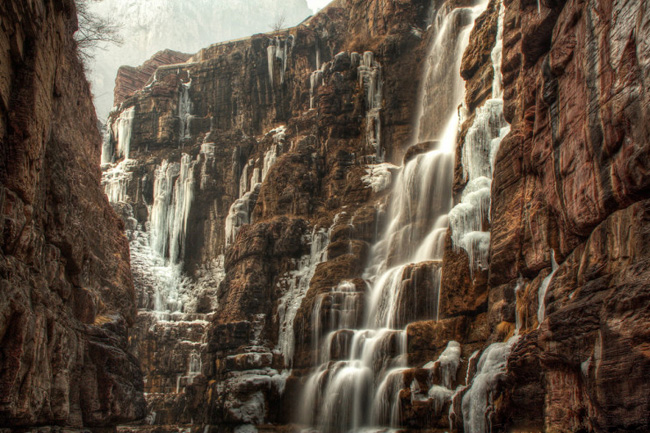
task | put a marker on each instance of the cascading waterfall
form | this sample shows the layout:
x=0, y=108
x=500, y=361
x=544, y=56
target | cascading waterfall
x=357, y=382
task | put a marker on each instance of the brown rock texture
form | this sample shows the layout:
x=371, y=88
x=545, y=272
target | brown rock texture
x=280, y=134
x=570, y=178
x=66, y=294
x=131, y=79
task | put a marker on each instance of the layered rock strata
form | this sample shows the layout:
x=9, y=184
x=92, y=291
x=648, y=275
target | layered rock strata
x=256, y=178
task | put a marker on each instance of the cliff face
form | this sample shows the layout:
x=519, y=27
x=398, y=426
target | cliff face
x=130, y=79
x=66, y=290
x=573, y=176
x=321, y=236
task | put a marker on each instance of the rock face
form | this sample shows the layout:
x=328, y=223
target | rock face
x=66, y=290
x=130, y=79
x=255, y=185
x=572, y=174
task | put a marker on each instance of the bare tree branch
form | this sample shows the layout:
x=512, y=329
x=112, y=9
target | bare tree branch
x=280, y=22
x=94, y=31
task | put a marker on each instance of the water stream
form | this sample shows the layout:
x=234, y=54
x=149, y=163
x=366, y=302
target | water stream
x=356, y=383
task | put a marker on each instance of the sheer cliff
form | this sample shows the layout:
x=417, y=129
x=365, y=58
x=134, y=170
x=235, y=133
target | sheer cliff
x=66, y=296
x=418, y=215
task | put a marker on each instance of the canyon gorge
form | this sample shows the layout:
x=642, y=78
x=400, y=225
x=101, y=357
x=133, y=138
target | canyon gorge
x=396, y=216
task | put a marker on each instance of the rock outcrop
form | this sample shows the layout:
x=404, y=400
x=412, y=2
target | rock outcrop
x=256, y=180
x=129, y=79
x=66, y=293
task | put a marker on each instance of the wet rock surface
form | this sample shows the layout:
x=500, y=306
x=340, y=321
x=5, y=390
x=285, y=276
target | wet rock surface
x=254, y=182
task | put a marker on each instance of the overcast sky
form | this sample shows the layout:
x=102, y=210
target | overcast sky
x=317, y=4
x=148, y=26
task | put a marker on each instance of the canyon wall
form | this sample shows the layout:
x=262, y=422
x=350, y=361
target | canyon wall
x=66, y=293
x=255, y=184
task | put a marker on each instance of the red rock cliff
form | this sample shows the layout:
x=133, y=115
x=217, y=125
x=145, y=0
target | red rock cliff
x=274, y=136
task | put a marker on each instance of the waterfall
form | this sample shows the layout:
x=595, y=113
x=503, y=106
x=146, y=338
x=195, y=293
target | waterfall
x=360, y=374
x=468, y=218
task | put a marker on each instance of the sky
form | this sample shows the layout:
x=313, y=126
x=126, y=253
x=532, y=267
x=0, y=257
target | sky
x=315, y=5
x=148, y=26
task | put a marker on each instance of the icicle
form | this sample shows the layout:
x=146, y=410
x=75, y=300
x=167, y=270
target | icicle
x=478, y=157
x=297, y=283
x=543, y=289
x=124, y=127
x=270, y=58
x=370, y=79
x=478, y=400
x=107, y=146
x=184, y=110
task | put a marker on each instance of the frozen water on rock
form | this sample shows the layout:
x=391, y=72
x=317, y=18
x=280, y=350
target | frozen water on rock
x=107, y=145
x=184, y=110
x=449, y=361
x=543, y=289
x=296, y=284
x=240, y=211
x=370, y=79
x=379, y=176
x=468, y=218
x=116, y=179
x=278, y=51
x=358, y=390
x=122, y=129
x=173, y=195
x=479, y=398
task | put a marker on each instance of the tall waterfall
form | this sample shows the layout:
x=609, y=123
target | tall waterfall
x=357, y=382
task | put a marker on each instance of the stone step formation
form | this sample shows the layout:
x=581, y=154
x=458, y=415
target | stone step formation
x=395, y=216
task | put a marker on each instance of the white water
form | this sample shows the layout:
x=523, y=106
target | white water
x=357, y=384
x=543, y=289
x=469, y=218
